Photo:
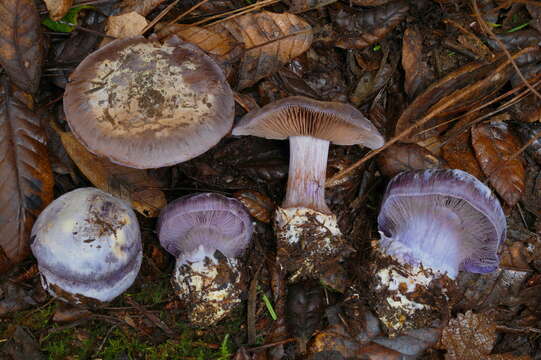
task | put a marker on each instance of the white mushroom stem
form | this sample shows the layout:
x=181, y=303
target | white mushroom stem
x=307, y=172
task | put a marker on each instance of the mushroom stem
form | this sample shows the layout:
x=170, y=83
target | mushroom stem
x=307, y=172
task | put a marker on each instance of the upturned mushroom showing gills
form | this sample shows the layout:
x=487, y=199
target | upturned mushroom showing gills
x=144, y=104
x=309, y=240
x=432, y=223
x=207, y=234
x=88, y=247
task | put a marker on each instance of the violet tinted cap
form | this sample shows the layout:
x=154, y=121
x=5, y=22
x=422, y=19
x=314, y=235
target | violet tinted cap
x=445, y=219
x=214, y=221
x=339, y=123
x=87, y=244
x=147, y=105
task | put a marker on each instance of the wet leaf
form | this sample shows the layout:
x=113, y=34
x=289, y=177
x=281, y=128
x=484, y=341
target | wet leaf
x=370, y=2
x=270, y=41
x=417, y=73
x=69, y=22
x=405, y=157
x=456, y=92
x=458, y=151
x=14, y=298
x=494, y=144
x=259, y=206
x=26, y=185
x=362, y=29
x=58, y=8
x=65, y=313
x=528, y=132
x=304, y=310
x=471, y=337
x=21, y=48
x=133, y=185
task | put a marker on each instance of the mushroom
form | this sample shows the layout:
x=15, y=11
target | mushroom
x=432, y=223
x=88, y=246
x=206, y=233
x=309, y=240
x=144, y=104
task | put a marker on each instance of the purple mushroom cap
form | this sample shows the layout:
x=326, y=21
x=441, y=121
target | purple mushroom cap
x=446, y=220
x=210, y=220
x=88, y=246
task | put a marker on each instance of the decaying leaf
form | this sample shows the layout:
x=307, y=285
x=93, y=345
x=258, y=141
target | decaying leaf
x=298, y=6
x=259, y=206
x=142, y=7
x=58, y=8
x=26, y=184
x=125, y=25
x=471, y=337
x=458, y=151
x=22, y=345
x=370, y=26
x=132, y=185
x=270, y=41
x=455, y=93
x=405, y=157
x=494, y=144
x=220, y=46
x=417, y=73
x=21, y=49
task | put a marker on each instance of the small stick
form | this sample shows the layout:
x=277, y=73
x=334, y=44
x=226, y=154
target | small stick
x=187, y=12
x=266, y=346
x=155, y=320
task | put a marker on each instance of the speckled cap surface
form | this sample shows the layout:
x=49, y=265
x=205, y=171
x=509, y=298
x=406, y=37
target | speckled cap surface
x=87, y=243
x=144, y=104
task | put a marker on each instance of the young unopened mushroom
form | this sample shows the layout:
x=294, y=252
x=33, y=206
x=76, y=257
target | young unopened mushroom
x=432, y=223
x=144, y=104
x=88, y=246
x=309, y=240
x=207, y=233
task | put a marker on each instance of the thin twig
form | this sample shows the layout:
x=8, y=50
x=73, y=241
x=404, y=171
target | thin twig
x=159, y=17
x=266, y=346
x=241, y=10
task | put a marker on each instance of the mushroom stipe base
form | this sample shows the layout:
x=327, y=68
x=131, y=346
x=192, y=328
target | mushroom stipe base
x=310, y=245
x=407, y=297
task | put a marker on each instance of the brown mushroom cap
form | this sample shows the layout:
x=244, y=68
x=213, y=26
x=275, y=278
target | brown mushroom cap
x=339, y=123
x=147, y=105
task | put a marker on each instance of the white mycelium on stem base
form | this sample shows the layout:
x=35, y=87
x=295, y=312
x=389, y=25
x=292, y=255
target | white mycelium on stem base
x=207, y=233
x=433, y=223
x=310, y=243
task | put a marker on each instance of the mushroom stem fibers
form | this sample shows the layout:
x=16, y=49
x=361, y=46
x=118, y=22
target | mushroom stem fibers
x=307, y=172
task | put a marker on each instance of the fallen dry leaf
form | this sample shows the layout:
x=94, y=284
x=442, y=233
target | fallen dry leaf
x=270, y=41
x=259, y=206
x=471, y=337
x=132, y=185
x=21, y=48
x=494, y=144
x=125, y=25
x=26, y=185
x=417, y=73
x=58, y=8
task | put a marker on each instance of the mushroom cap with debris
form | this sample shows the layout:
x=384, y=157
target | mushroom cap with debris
x=144, y=104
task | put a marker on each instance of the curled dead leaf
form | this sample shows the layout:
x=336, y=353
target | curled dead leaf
x=494, y=144
x=133, y=185
x=259, y=206
x=270, y=41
